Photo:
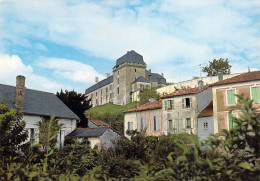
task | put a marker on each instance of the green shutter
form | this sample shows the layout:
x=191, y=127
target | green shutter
x=231, y=97
x=232, y=124
x=230, y=121
x=255, y=94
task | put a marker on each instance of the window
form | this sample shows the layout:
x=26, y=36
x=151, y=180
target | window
x=231, y=98
x=255, y=91
x=118, y=72
x=61, y=137
x=96, y=102
x=170, y=104
x=188, y=122
x=155, y=123
x=101, y=92
x=170, y=124
x=186, y=103
x=205, y=124
x=135, y=70
x=118, y=90
x=231, y=121
x=130, y=125
x=32, y=135
x=96, y=93
x=117, y=80
x=142, y=124
x=100, y=100
x=106, y=89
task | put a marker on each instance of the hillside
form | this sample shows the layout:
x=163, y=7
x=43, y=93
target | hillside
x=112, y=108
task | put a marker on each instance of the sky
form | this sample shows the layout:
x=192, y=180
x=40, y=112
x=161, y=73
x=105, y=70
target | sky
x=65, y=44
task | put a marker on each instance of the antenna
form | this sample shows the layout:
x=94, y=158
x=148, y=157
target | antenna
x=200, y=67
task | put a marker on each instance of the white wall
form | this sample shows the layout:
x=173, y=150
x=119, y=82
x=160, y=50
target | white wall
x=31, y=122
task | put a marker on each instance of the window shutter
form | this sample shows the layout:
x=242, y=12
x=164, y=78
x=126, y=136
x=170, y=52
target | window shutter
x=230, y=121
x=231, y=97
x=190, y=102
x=172, y=104
x=154, y=123
x=157, y=123
x=255, y=94
x=183, y=103
x=144, y=123
x=165, y=105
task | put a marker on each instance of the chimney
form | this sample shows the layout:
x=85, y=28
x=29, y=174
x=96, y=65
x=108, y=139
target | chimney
x=107, y=75
x=200, y=84
x=162, y=75
x=96, y=79
x=20, y=90
x=220, y=76
x=150, y=70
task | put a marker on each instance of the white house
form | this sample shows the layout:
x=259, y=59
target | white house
x=36, y=105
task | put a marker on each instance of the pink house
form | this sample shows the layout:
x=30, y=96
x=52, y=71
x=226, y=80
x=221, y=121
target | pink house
x=147, y=117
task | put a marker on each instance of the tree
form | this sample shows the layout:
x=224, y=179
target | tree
x=216, y=66
x=77, y=102
x=49, y=128
x=12, y=132
x=147, y=94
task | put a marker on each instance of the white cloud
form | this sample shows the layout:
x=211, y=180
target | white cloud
x=12, y=65
x=70, y=69
x=162, y=31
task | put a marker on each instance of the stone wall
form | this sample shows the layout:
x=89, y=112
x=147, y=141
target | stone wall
x=124, y=76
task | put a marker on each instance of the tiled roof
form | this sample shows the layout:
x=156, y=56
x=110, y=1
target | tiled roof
x=99, y=123
x=88, y=132
x=100, y=84
x=130, y=56
x=37, y=102
x=141, y=79
x=181, y=92
x=147, y=106
x=249, y=76
x=207, y=111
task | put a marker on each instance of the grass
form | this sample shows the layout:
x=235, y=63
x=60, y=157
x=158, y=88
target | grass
x=112, y=108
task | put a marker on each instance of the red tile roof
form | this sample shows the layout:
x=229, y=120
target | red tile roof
x=249, y=76
x=147, y=106
x=207, y=111
x=181, y=92
x=99, y=123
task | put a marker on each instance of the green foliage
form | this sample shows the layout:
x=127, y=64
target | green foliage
x=49, y=129
x=147, y=94
x=12, y=133
x=229, y=155
x=216, y=66
x=77, y=102
x=74, y=158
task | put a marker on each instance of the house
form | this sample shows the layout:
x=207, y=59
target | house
x=206, y=122
x=102, y=137
x=180, y=108
x=193, y=83
x=118, y=88
x=224, y=97
x=96, y=123
x=37, y=105
x=146, y=117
